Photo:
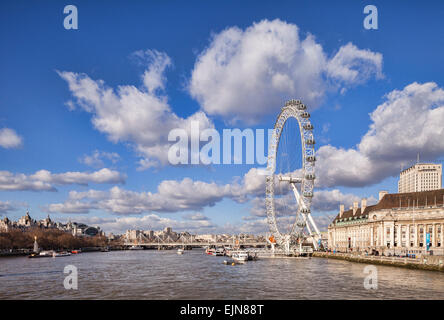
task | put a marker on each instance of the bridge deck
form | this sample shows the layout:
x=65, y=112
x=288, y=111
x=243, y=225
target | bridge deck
x=193, y=244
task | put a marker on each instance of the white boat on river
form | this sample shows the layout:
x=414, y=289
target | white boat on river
x=239, y=256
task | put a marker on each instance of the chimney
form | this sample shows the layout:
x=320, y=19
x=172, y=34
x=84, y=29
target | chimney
x=355, y=207
x=341, y=210
x=363, y=204
x=382, y=194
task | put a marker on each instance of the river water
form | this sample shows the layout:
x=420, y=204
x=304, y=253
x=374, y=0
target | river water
x=152, y=274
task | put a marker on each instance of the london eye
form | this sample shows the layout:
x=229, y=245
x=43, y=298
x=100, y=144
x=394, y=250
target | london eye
x=290, y=178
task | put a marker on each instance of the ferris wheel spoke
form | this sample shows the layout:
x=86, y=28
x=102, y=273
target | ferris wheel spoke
x=290, y=179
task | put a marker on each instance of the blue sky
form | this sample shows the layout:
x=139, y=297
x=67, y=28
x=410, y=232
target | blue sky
x=407, y=49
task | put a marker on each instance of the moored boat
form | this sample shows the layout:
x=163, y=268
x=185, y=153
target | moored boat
x=42, y=254
x=228, y=251
x=136, y=247
x=218, y=252
x=240, y=256
x=61, y=254
x=49, y=254
x=180, y=251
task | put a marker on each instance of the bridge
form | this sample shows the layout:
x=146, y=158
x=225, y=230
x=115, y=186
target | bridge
x=173, y=244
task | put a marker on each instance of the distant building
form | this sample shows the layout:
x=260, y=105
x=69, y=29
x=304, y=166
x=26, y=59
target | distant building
x=398, y=223
x=76, y=229
x=5, y=225
x=206, y=237
x=165, y=235
x=168, y=230
x=420, y=177
x=26, y=221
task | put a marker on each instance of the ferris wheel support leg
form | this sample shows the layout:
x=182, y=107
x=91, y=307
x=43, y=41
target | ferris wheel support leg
x=315, y=245
x=314, y=225
x=318, y=234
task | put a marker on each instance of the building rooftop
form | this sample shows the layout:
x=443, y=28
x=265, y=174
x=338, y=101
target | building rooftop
x=400, y=200
x=420, y=164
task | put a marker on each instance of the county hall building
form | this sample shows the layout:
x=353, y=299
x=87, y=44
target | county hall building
x=399, y=223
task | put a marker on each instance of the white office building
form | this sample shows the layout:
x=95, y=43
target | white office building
x=420, y=177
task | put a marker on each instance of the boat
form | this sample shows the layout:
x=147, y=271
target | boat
x=104, y=249
x=252, y=256
x=49, y=254
x=136, y=247
x=210, y=250
x=240, y=256
x=61, y=254
x=76, y=251
x=42, y=254
x=180, y=251
x=228, y=251
x=218, y=252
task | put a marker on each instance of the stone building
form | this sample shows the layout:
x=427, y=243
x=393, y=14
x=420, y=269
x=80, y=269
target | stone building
x=26, y=221
x=5, y=225
x=399, y=223
x=76, y=229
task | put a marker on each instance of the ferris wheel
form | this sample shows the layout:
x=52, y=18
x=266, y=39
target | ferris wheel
x=290, y=178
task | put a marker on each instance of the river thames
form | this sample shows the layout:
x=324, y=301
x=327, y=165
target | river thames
x=152, y=274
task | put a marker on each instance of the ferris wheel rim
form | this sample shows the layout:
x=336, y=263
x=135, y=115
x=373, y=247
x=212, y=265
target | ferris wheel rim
x=292, y=109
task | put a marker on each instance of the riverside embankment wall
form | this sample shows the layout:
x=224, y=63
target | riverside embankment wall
x=433, y=263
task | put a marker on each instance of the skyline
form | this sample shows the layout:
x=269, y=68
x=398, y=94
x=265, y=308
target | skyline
x=85, y=114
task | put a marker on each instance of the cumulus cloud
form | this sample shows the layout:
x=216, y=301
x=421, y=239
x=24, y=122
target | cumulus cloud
x=352, y=65
x=189, y=195
x=259, y=225
x=140, y=116
x=171, y=196
x=97, y=158
x=244, y=75
x=10, y=139
x=323, y=201
x=5, y=207
x=148, y=222
x=44, y=180
x=197, y=216
x=408, y=122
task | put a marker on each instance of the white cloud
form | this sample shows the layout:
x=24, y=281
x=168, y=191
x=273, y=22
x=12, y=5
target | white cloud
x=247, y=74
x=140, y=116
x=323, y=201
x=5, y=207
x=171, y=196
x=96, y=159
x=147, y=222
x=410, y=121
x=44, y=180
x=10, y=139
x=197, y=216
x=353, y=66
x=189, y=195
